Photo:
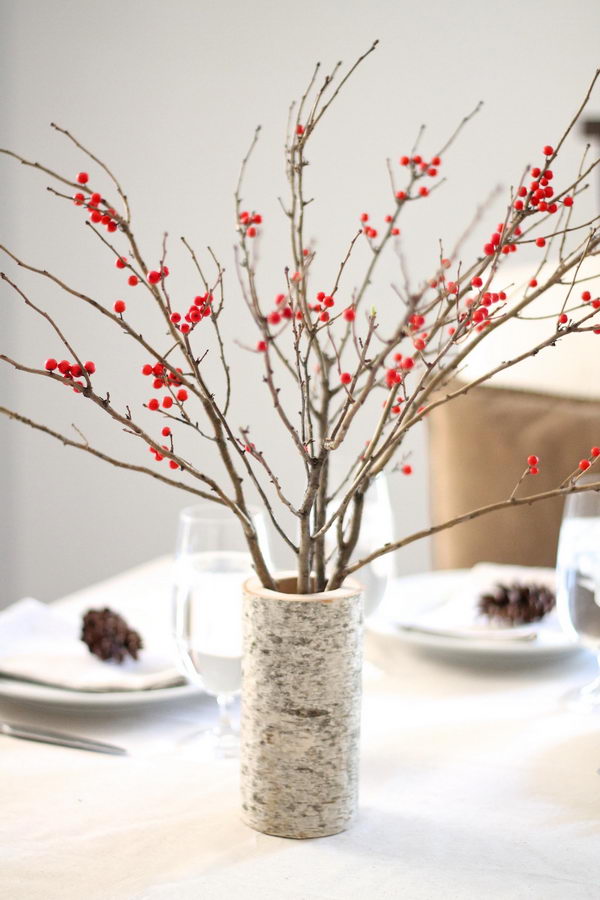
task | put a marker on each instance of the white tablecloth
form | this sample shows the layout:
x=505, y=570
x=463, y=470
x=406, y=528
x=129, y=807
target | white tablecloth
x=476, y=783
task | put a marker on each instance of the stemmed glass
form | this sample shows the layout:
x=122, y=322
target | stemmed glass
x=578, y=582
x=211, y=563
x=377, y=528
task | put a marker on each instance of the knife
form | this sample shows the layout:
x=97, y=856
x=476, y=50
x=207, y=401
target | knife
x=45, y=736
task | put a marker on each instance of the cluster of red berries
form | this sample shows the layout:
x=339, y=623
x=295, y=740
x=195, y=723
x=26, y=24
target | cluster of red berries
x=533, y=463
x=372, y=232
x=587, y=298
x=166, y=432
x=585, y=464
x=419, y=164
x=164, y=378
x=92, y=204
x=540, y=192
x=282, y=311
x=495, y=244
x=70, y=371
x=199, y=309
x=249, y=221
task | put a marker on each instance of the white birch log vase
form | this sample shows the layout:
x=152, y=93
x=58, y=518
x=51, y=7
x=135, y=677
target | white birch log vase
x=301, y=697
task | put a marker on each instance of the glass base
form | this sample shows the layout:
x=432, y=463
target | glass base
x=585, y=699
x=210, y=745
x=220, y=742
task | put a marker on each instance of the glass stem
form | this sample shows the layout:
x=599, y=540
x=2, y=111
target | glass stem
x=225, y=726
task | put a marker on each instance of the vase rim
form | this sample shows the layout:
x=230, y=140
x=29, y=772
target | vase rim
x=350, y=588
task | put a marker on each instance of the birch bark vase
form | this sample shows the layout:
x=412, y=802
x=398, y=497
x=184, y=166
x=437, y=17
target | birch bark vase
x=301, y=695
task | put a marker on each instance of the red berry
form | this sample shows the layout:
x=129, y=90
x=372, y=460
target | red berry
x=532, y=460
x=83, y=178
x=595, y=451
x=147, y=369
x=153, y=277
x=436, y=161
x=95, y=217
x=345, y=377
x=274, y=318
x=184, y=328
x=518, y=205
x=540, y=242
x=432, y=172
x=167, y=402
x=476, y=282
x=96, y=198
x=89, y=367
x=50, y=365
x=533, y=283
x=158, y=369
x=153, y=404
x=132, y=280
x=417, y=159
x=182, y=395
x=407, y=363
x=173, y=464
x=401, y=195
x=489, y=249
x=404, y=160
x=78, y=199
x=548, y=150
x=586, y=296
x=364, y=217
x=251, y=232
x=64, y=366
x=423, y=191
x=563, y=318
x=121, y=262
x=329, y=302
x=349, y=314
x=175, y=317
x=119, y=306
x=324, y=317
x=534, y=470
x=261, y=346
x=166, y=431
x=584, y=464
x=407, y=470
x=568, y=201
x=299, y=129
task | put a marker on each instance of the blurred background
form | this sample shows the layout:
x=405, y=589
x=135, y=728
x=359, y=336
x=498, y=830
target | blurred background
x=169, y=96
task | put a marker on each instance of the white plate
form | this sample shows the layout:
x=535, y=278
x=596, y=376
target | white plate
x=55, y=698
x=418, y=593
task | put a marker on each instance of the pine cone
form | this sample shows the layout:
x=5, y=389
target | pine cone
x=517, y=604
x=108, y=635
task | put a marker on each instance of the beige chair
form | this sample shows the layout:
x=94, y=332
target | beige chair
x=479, y=443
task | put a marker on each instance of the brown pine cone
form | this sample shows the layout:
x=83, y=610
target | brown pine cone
x=108, y=635
x=517, y=604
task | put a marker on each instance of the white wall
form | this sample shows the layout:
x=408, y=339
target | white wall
x=169, y=94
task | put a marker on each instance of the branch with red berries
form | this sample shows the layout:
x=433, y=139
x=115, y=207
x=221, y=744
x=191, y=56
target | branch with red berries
x=340, y=369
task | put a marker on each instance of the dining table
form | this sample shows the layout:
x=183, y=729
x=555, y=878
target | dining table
x=477, y=781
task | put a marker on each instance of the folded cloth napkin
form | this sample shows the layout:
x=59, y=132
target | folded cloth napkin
x=458, y=614
x=38, y=644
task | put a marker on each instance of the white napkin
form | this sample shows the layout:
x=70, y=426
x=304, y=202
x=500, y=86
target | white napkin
x=459, y=615
x=38, y=644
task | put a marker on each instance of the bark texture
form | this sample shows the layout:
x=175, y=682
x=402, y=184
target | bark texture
x=301, y=698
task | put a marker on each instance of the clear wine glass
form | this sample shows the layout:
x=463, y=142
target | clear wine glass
x=377, y=528
x=578, y=582
x=211, y=563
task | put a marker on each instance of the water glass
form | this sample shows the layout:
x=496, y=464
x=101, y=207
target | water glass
x=578, y=580
x=211, y=563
